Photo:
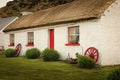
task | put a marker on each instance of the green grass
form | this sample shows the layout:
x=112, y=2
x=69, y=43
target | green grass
x=21, y=68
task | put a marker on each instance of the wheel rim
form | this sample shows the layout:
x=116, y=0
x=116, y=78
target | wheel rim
x=93, y=53
x=18, y=49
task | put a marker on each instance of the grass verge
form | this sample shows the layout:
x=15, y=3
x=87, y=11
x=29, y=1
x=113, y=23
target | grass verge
x=21, y=68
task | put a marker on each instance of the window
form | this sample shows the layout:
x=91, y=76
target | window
x=73, y=36
x=30, y=38
x=11, y=40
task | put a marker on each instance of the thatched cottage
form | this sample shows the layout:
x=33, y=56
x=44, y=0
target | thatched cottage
x=71, y=28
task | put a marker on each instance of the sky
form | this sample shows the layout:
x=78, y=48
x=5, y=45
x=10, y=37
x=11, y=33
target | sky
x=3, y=2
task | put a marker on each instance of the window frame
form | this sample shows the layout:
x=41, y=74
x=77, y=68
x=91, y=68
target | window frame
x=69, y=43
x=11, y=40
x=30, y=42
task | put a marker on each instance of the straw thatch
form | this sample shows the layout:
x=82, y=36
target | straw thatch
x=77, y=10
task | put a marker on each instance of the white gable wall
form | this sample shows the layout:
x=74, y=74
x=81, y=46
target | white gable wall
x=110, y=24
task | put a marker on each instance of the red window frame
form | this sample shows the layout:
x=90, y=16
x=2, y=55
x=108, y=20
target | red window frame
x=12, y=38
x=69, y=42
x=30, y=39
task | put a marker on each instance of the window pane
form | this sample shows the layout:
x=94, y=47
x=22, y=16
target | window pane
x=74, y=35
x=72, y=31
x=77, y=30
x=30, y=37
x=11, y=38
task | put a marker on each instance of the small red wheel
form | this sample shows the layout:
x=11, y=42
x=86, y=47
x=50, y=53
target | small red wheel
x=18, y=49
x=93, y=53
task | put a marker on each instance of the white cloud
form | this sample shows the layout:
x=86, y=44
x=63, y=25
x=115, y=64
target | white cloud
x=3, y=2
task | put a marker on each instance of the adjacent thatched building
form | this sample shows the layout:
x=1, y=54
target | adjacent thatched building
x=4, y=22
x=71, y=28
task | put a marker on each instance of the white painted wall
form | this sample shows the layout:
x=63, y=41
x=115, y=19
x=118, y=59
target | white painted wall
x=104, y=34
x=21, y=38
x=6, y=38
x=61, y=38
x=90, y=36
x=110, y=23
x=40, y=39
x=1, y=39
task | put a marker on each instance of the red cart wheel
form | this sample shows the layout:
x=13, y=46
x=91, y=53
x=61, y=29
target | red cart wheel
x=18, y=49
x=93, y=53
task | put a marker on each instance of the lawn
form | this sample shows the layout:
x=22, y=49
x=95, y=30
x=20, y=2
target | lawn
x=20, y=68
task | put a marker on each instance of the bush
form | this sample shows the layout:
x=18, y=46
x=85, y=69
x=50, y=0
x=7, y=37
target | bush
x=10, y=52
x=114, y=75
x=50, y=55
x=33, y=53
x=85, y=62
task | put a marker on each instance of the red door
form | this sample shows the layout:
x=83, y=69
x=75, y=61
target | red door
x=51, y=38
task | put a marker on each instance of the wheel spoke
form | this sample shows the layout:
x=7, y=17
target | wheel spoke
x=93, y=53
x=18, y=49
x=91, y=50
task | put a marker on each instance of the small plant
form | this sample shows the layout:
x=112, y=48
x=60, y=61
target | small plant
x=114, y=75
x=77, y=54
x=72, y=60
x=10, y=52
x=50, y=55
x=33, y=53
x=85, y=62
x=2, y=52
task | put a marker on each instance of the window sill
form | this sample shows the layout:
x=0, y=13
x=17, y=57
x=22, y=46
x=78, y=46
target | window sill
x=29, y=45
x=69, y=44
x=11, y=45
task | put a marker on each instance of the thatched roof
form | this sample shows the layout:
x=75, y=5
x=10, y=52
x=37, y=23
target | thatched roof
x=77, y=10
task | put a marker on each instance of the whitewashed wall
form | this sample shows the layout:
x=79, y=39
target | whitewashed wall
x=40, y=39
x=1, y=39
x=104, y=34
x=90, y=36
x=61, y=38
x=6, y=38
x=110, y=23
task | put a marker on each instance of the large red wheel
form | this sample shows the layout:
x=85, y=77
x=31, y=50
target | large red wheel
x=18, y=49
x=93, y=53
